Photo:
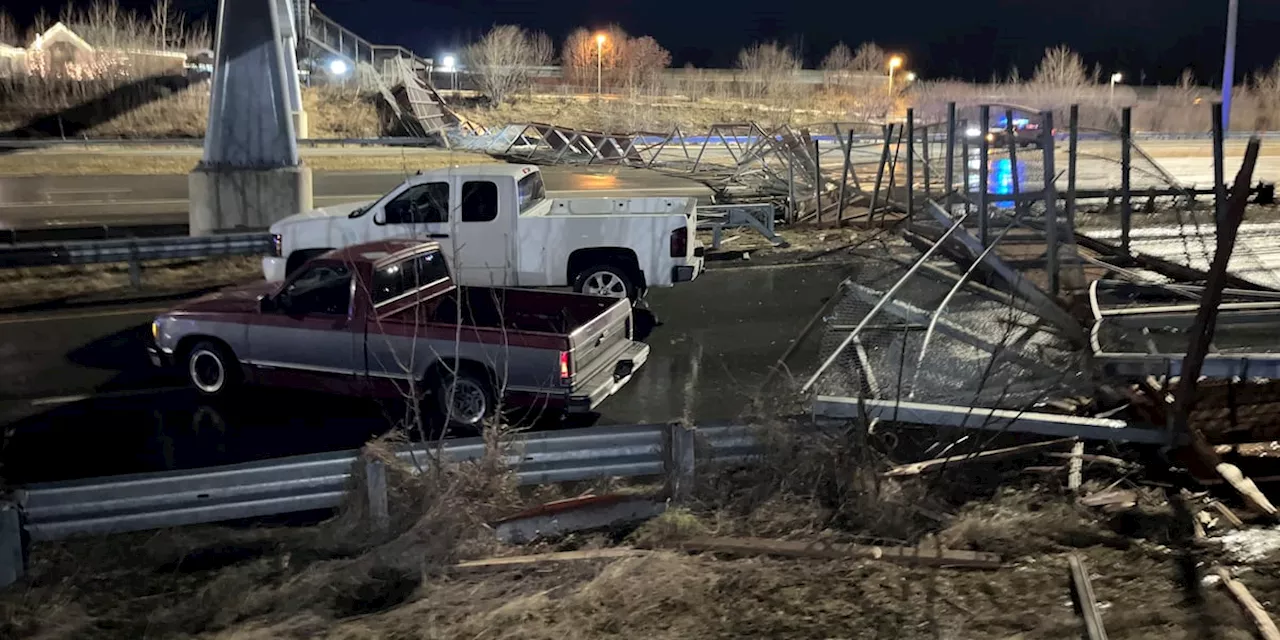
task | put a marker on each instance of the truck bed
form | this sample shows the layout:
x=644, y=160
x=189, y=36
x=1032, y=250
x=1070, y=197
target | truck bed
x=520, y=309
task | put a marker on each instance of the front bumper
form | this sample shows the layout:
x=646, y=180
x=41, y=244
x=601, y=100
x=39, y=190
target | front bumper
x=159, y=358
x=273, y=268
x=587, y=395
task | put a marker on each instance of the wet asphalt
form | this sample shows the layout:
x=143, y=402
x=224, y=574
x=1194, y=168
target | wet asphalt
x=78, y=397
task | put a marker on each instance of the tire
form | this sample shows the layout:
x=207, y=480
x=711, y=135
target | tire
x=464, y=401
x=211, y=368
x=605, y=280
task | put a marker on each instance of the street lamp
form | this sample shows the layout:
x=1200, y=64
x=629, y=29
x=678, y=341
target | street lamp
x=599, y=59
x=1115, y=77
x=894, y=63
x=449, y=68
x=911, y=76
x=338, y=67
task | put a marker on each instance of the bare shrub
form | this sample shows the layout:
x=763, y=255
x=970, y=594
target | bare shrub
x=837, y=64
x=869, y=58
x=768, y=69
x=1061, y=67
x=1265, y=87
x=9, y=33
x=502, y=60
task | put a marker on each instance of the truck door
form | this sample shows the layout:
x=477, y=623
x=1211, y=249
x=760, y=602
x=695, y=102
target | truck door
x=476, y=238
x=414, y=213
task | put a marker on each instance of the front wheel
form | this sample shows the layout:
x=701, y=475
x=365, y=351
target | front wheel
x=211, y=368
x=605, y=280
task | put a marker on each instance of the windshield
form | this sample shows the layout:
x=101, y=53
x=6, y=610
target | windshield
x=531, y=191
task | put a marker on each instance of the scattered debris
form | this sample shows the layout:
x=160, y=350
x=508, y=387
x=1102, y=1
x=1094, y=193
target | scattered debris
x=937, y=464
x=1246, y=546
x=1266, y=626
x=576, y=514
x=1084, y=598
x=922, y=555
x=1115, y=499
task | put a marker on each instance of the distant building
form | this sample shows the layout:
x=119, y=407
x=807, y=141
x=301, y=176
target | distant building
x=60, y=53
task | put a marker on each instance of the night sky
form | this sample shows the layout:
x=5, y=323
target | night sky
x=971, y=39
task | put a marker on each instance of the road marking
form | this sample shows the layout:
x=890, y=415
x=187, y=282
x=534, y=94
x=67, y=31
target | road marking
x=58, y=400
x=80, y=316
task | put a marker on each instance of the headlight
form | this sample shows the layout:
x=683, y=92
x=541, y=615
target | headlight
x=972, y=132
x=991, y=137
x=277, y=245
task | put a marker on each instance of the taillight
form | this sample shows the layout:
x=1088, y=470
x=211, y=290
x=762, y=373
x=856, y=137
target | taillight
x=564, y=366
x=679, y=242
x=277, y=245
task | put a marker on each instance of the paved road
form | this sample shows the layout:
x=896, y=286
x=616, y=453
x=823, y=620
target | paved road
x=77, y=397
x=77, y=201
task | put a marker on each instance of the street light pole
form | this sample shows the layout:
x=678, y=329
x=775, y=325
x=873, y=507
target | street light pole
x=1115, y=77
x=1229, y=62
x=599, y=60
x=894, y=63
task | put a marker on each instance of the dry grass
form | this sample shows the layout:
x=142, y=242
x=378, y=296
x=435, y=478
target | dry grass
x=332, y=113
x=661, y=114
x=99, y=160
x=26, y=286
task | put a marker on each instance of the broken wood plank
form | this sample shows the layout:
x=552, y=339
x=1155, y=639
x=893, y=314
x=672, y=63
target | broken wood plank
x=1076, y=471
x=917, y=468
x=1246, y=488
x=1227, y=514
x=542, y=558
x=1266, y=626
x=1116, y=497
x=1094, y=457
x=928, y=556
x=1084, y=597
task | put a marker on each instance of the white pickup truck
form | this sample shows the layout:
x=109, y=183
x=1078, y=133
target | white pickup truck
x=497, y=228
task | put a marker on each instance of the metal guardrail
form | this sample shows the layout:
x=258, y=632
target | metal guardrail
x=133, y=250
x=119, y=504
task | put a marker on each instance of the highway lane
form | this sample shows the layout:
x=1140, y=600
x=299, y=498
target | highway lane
x=78, y=398
x=75, y=201
x=53, y=202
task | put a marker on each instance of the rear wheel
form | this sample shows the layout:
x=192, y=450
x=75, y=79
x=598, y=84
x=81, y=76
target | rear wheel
x=211, y=368
x=605, y=280
x=464, y=401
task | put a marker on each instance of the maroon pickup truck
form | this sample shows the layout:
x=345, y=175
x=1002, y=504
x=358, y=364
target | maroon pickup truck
x=384, y=319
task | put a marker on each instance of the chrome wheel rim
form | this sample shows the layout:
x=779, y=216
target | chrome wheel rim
x=605, y=283
x=206, y=371
x=467, y=402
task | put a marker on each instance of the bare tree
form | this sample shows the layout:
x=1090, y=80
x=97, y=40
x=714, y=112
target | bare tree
x=8, y=29
x=1061, y=68
x=502, y=60
x=643, y=60
x=165, y=25
x=581, y=52
x=838, y=63
x=768, y=67
x=869, y=58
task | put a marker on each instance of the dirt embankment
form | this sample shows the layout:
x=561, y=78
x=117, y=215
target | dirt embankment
x=337, y=580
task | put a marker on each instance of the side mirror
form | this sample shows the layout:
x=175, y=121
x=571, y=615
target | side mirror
x=380, y=216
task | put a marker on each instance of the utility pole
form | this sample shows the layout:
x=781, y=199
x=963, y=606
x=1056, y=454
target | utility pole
x=1229, y=63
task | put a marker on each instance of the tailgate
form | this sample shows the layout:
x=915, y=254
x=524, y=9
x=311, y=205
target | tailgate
x=595, y=343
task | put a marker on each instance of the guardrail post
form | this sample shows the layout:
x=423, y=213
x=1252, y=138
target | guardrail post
x=678, y=461
x=375, y=474
x=135, y=266
x=1126, y=163
x=911, y=163
x=13, y=563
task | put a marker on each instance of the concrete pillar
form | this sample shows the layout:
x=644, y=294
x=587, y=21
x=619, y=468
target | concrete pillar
x=251, y=173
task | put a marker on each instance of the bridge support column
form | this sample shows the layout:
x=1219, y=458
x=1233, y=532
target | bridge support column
x=251, y=174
